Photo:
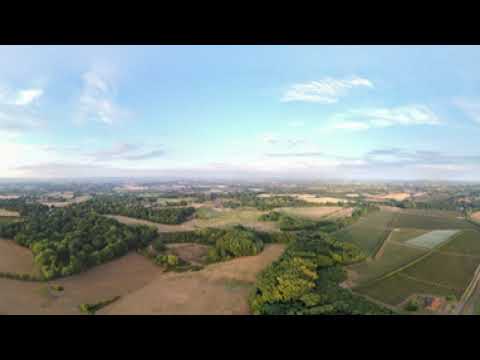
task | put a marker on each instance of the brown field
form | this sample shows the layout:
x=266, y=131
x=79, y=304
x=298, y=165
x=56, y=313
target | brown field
x=8, y=213
x=8, y=197
x=15, y=258
x=391, y=196
x=319, y=200
x=116, y=278
x=221, y=289
x=476, y=216
x=313, y=213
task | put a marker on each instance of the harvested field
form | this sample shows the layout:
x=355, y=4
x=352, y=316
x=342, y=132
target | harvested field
x=313, y=213
x=116, y=278
x=8, y=213
x=319, y=200
x=9, y=197
x=221, y=288
x=369, y=232
x=15, y=258
x=432, y=238
x=400, y=196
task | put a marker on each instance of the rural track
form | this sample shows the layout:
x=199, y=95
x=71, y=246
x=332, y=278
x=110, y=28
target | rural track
x=468, y=292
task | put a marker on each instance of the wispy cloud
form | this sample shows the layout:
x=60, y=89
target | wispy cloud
x=470, y=107
x=385, y=117
x=297, y=154
x=97, y=101
x=325, y=91
x=125, y=151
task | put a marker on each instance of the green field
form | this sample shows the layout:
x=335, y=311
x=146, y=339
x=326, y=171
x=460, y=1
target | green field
x=432, y=238
x=468, y=242
x=445, y=269
x=368, y=233
x=397, y=288
x=403, y=220
x=9, y=219
x=394, y=256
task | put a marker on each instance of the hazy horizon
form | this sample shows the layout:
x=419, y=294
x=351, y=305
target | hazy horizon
x=355, y=113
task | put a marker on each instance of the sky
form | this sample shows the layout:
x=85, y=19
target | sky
x=306, y=112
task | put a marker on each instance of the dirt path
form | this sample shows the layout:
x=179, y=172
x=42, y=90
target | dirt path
x=380, y=251
x=221, y=289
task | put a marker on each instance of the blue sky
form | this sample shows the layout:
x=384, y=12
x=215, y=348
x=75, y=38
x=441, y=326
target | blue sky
x=314, y=112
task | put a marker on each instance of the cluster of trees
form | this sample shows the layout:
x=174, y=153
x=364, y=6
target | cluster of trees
x=66, y=241
x=24, y=206
x=246, y=199
x=128, y=206
x=290, y=223
x=225, y=243
x=305, y=280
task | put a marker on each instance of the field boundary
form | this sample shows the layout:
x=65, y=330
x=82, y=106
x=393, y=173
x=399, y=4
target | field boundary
x=413, y=262
x=468, y=291
x=382, y=246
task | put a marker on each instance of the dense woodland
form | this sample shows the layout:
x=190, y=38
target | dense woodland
x=305, y=280
x=135, y=208
x=66, y=241
x=236, y=200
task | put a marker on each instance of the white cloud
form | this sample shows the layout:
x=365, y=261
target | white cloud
x=385, y=117
x=25, y=97
x=97, y=101
x=19, y=97
x=270, y=139
x=325, y=91
x=469, y=107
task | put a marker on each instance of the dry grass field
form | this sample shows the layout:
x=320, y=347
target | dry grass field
x=226, y=217
x=116, y=278
x=220, y=289
x=15, y=258
x=8, y=213
x=400, y=196
x=76, y=200
x=314, y=213
x=190, y=252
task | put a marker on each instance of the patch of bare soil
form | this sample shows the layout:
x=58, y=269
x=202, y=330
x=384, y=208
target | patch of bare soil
x=476, y=216
x=352, y=276
x=8, y=213
x=221, y=288
x=116, y=278
x=15, y=258
x=190, y=252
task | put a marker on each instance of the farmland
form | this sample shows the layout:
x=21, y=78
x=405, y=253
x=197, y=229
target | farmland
x=313, y=213
x=368, y=233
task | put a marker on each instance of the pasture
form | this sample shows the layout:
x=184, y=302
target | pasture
x=8, y=213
